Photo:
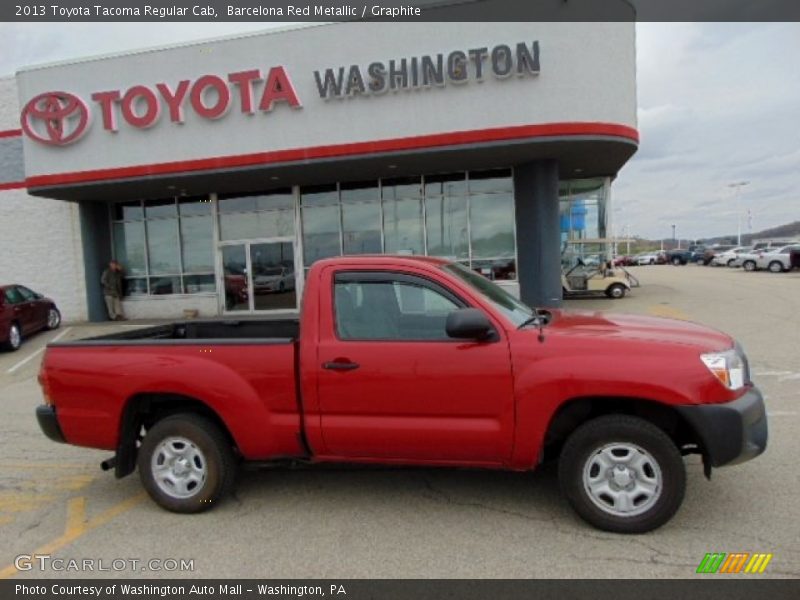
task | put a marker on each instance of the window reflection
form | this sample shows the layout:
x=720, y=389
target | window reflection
x=321, y=236
x=448, y=234
x=361, y=226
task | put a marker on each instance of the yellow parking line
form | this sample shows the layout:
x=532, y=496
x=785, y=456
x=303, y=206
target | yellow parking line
x=663, y=310
x=77, y=526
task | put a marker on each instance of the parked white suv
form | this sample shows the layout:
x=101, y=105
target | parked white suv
x=778, y=260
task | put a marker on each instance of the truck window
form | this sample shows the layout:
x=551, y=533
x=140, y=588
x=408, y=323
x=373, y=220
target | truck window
x=390, y=310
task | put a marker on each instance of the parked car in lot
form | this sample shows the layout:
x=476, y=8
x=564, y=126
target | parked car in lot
x=417, y=361
x=624, y=261
x=794, y=259
x=22, y=313
x=679, y=256
x=778, y=260
x=728, y=258
x=646, y=258
x=711, y=252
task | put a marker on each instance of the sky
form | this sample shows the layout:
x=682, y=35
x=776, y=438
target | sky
x=718, y=104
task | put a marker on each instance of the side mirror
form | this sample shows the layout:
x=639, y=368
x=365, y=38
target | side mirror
x=38, y=296
x=469, y=324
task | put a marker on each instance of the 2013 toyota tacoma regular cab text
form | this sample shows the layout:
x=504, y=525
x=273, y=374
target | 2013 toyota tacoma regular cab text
x=413, y=361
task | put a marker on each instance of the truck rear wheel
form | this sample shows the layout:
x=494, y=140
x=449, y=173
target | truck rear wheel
x=622, y=474
x=186, y=464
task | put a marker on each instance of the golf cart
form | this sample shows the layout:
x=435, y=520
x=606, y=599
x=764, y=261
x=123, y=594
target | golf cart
x=592, y=275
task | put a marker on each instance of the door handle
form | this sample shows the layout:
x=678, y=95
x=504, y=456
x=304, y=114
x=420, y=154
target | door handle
x=340, y=365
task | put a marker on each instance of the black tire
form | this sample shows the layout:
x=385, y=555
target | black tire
x=589, y=438
x=616, y=291
x=57, y=321
x=219, y=465
x=13, y=342
x=776, y=266
x=749, y=265
x=677, y=261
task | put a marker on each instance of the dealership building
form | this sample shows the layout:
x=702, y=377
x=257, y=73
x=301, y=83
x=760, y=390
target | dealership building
x=217, y=172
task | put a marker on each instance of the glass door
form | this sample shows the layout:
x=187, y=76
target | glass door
x=273, y=281
x=259, y=276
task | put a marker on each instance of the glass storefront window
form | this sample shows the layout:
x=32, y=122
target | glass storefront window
x=256, y=225
x=128, y=211
x=320, y=195
x=402, y=226
x=492, y=225
x=160, y=240
x=283, y=198
x=405, y=187
x=448, y=234
x=321, y=236
x=360, y=192
x=446, y=185
x=162, y=246
x=129, y=247
x=195, y=284
x=361, y=226
x=197, y=241
x=189, y=207
x=496, y=180
x=170, y=284
x=156, y=209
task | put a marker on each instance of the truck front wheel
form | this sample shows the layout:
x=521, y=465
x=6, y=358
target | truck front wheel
x=622, y=474
x=186, y=464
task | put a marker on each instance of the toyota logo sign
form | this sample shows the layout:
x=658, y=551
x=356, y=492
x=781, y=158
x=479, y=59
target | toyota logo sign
x=55, y=118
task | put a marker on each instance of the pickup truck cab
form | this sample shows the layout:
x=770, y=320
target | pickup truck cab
x=413, y=361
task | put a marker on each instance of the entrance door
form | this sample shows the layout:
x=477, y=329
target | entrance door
x=259, y=276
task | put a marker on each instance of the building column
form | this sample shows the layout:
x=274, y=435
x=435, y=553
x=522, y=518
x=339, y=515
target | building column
x=538, y=235
x=96, y=241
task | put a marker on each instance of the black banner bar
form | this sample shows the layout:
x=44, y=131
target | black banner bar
x=705, y=587
x=396, y=10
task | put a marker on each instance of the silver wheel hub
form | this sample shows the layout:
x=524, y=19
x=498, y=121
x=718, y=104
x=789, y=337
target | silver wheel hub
x=179, y=467
x=14, y=337
x=52, y=319
x=622, y=479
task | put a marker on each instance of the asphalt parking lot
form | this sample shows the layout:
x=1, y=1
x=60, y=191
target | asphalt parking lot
x=354, y=523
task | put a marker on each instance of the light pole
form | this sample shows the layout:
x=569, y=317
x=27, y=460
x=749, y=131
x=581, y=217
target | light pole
x=673, y=236
x=738, y=185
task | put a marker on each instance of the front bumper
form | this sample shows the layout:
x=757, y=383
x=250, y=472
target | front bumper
x=730, y=433
x=48, y=422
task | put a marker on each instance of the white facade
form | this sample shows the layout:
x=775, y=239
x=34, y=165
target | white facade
x=40, y=239
x=578, y=106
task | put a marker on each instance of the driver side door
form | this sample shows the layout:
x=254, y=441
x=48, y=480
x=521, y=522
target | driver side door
x=392, y=385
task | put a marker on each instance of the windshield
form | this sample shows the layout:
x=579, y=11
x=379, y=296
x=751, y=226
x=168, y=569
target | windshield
x=516, y=311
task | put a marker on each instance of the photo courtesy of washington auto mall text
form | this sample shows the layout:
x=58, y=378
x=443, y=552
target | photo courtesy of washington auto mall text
x=422, y=299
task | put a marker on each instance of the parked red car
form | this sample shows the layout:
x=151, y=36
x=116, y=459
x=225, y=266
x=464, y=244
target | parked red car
x=23, y=312
x=417, y=361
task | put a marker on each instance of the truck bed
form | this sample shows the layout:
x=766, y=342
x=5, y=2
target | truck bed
x=220, y=331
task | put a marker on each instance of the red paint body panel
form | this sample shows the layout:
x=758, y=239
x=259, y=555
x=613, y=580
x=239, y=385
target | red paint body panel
x=454, y=402
x=250, y=387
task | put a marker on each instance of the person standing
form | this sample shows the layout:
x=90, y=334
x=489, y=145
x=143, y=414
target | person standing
x=112, y=290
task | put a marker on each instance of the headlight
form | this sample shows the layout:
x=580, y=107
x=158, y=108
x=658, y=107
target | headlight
x=730, y=367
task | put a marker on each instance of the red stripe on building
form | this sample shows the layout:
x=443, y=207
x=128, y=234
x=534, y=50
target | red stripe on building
x=10, y=133
x=344, y=150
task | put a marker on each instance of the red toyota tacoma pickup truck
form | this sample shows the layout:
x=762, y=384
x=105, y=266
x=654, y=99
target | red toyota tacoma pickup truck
x=413, y=361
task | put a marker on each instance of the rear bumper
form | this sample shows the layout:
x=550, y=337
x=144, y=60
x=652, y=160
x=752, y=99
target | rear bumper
x=731, y=433
x=48, y=422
